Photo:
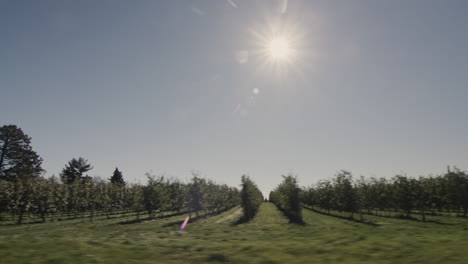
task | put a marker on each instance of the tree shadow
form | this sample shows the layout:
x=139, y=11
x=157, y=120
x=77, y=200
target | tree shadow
x=197, y=218
x=242, y=220
x=343, y=217
x=405, y=217
x=293, y=219
x=24, y=223
x=149, y=218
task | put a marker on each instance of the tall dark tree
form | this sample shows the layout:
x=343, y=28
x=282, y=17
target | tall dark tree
x=74, y=170
x=117, y=177
x=17, y=159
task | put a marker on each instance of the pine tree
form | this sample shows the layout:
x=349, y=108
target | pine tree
x=117, y=177
x=74, y=170
x=17, y=159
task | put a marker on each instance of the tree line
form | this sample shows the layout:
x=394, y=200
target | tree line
x=402, y=194
x=44, y=199
x=25, y=192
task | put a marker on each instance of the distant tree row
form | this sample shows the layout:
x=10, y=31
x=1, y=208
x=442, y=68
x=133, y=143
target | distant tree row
x=403, y=194
x=24, y=192
x=209, y=197
x=286, y=197
x=251, y=198
x=49, y=199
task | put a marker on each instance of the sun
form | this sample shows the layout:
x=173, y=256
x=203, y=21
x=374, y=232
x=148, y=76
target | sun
x=278, y=46
x=279, y=49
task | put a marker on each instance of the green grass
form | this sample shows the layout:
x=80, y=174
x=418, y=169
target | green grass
x=269, y=238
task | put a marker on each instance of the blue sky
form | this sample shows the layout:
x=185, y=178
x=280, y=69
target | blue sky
x=375, y=87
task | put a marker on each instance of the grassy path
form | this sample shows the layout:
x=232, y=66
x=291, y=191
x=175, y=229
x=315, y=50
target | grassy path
x=268, y=238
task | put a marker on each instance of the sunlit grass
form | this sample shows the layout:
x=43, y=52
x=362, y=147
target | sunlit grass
x=268, y=238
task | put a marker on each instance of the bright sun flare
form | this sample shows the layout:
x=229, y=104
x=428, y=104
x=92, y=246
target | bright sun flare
x=279, y=49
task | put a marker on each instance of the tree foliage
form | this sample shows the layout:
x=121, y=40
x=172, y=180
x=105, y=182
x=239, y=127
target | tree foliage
x=44, y=199
x=403, y=194
x=74, y=171
x=17, y=159
x=251, y=198
x=286, y=197
x=206, y=195
x=117, y=177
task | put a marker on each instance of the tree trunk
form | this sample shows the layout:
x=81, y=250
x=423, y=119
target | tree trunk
x=91, y=216
x=43, y=217
x=20, y=217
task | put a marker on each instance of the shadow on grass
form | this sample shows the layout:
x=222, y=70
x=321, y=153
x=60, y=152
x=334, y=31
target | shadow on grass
x=217, y=257
x=25, y=223
x=342, y=217
x=405, y=217
x=135, y=221
x=194, y=219
x=293, y=219
x=242, y=220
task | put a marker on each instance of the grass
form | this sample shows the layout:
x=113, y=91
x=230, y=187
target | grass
x=268, y=238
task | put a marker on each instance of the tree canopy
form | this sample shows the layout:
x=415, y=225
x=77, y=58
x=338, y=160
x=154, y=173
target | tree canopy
x=117, y=177
x=74, y=170
x=17, y=159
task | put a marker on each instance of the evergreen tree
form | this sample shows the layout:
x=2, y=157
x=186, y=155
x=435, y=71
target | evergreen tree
x=117, y=177
x=17, y=159
x=74, y=170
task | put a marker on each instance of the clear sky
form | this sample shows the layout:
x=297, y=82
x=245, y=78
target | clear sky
x=374, y=87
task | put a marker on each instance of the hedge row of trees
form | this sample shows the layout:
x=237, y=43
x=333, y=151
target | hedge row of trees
x=208, y=197
x=23, y=190
x=402, y=194
x=251, y=198
x=50, y=199
x=286, y=197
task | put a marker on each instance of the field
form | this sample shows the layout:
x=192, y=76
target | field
x=268, y=238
